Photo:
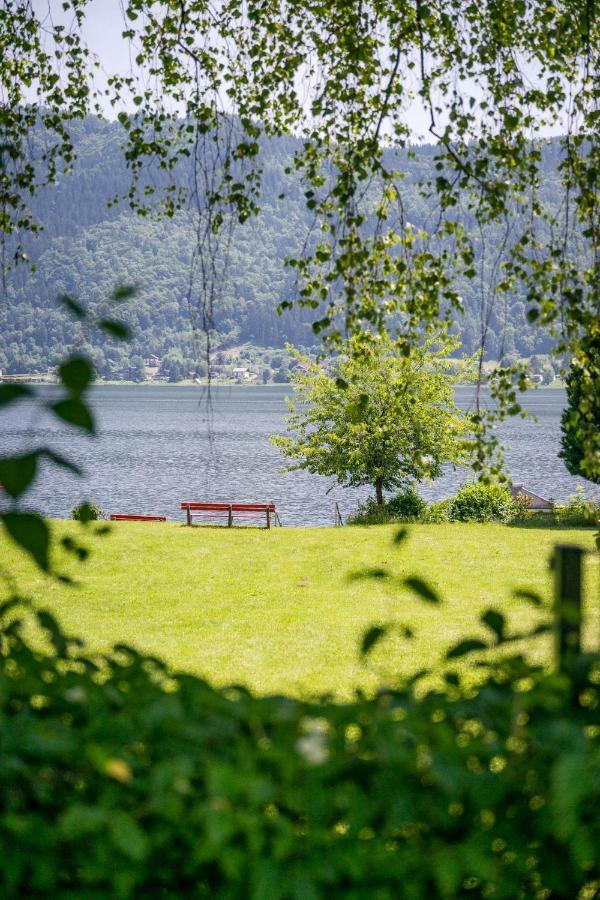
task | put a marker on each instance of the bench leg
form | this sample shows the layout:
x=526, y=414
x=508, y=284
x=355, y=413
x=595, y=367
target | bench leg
x=268, y=518
x=189, y=516
x=230, y=517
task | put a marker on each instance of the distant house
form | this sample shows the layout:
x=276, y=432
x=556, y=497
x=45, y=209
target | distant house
x=240, y=373
x=536, y=379
x=529, y=499
x=152, y=362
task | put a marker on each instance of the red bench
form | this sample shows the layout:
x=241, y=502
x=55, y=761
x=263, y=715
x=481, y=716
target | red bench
x=125, y=517
x=229, y=511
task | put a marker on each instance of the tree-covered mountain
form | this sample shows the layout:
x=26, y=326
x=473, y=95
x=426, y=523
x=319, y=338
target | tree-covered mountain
x=88, y=246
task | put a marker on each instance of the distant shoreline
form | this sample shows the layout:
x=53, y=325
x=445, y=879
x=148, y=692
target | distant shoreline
x=557, y=384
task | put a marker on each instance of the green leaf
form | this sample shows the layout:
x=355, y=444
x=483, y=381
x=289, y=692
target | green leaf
x=375, y=572
x=49, y=624
x=123, y=292
x=421, y=588
x=115, y=329
x=61, y=461
x=495, y=621
x=528, y=596
x=76, y=374
x=75, y=412
x=470, y=645
x=72, y=305
x=30, y=532
x=400, y=536
x=127, y=836
x=371, y=637
x=18, y=472
x=11, y=392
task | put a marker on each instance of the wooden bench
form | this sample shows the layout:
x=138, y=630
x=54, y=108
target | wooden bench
x=126, y=517
x=229, y=511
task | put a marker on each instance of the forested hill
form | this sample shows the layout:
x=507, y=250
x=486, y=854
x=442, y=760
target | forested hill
x=88, y=246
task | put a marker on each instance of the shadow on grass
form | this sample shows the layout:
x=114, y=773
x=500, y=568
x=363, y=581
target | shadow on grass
x=224, y=527
x=561, y=524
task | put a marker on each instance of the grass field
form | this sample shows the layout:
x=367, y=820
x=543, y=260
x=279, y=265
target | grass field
x=284, y=610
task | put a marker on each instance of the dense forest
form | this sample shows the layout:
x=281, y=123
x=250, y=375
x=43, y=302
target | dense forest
x=88, y=245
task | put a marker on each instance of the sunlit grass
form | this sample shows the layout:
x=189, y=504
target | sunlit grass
x=283, y=611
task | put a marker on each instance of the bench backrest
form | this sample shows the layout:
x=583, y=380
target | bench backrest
x=224, y=507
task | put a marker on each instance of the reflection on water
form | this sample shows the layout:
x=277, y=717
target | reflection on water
x=159, y=445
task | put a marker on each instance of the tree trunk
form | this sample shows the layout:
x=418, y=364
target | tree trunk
x=379, y=491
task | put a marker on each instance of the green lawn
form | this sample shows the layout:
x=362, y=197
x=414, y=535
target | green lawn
x=283, y=610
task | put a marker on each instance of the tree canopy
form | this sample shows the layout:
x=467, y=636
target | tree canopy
x=378, y=418
x=581, y=419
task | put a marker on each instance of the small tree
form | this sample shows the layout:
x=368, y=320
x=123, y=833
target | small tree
x=381, y=418
x=580, y=423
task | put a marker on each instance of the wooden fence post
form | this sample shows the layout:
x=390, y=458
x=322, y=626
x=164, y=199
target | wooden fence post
x=567, y=604
x=229, y=516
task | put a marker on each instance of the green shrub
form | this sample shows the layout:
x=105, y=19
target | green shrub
x=119, y=778
x=480, y=502
x=371, y=513
x=86, y=512
x=407, y=505
x=437, y=512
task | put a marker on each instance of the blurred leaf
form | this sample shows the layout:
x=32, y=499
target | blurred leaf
x=376, y=572
x=11, y=392
x=115, y=329
x=18, y=472
x=59, y=460
x=103, y=530
x=341, y=384
x=75, y=412
x=123, y=292
x=49, y=624
x=76, y=374
x=8, y=605
x=495, y=621
x=424, y=591
x=127, y=836
x=470, y=645
x=72, y=305
x=72, y=546
x=371, y=637
x=400, y=536
x=528, y=596
x=30, y=532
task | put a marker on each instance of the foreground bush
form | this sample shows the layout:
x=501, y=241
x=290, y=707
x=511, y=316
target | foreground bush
x=121, y=779
x=480, y=502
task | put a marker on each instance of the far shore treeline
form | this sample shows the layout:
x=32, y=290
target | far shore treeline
x=87, y=246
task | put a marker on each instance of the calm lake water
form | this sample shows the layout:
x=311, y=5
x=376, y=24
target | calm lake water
x=158, y=445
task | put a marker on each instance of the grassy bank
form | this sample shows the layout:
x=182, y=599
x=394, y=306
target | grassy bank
x=284, y=610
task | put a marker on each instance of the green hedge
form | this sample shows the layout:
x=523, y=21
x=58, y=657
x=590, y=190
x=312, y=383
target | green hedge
x=121, y=779
x=477, y=501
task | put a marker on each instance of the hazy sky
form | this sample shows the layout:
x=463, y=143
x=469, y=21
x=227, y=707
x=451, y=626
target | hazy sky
x=104, y=24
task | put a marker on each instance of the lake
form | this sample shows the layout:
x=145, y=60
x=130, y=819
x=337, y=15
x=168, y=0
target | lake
x=158, y=445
